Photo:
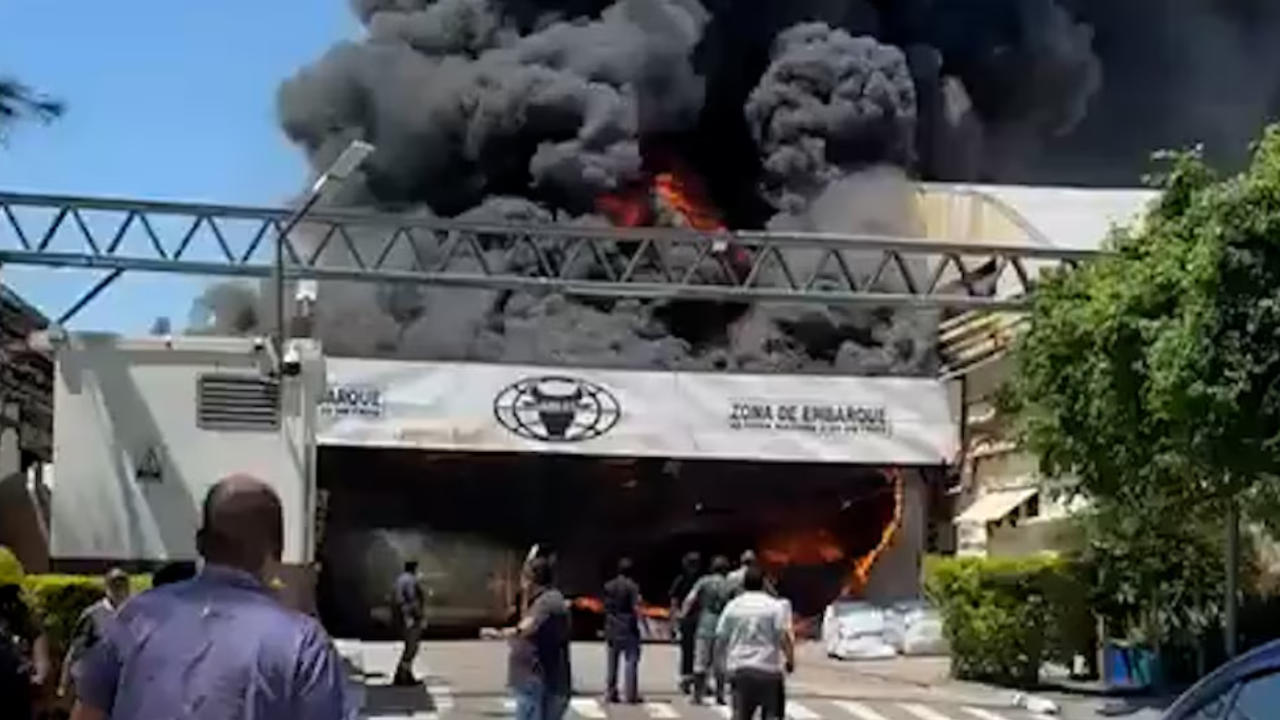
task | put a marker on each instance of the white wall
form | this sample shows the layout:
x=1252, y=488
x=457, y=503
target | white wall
x=895, y=576
x=115, y=399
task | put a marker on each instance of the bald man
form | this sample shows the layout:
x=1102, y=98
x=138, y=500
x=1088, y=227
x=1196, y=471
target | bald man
x=220, y=646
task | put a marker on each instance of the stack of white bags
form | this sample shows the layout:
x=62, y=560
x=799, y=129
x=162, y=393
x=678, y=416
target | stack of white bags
x=854, y=630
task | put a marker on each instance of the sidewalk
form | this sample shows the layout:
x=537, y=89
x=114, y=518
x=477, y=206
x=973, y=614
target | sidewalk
x=913, y=679
x=928, y=680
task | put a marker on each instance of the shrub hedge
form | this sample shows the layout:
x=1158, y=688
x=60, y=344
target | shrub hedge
x=57, y=600
x=11, y=572
x=1005, y=617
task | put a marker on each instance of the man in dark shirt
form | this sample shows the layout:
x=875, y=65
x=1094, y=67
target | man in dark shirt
x=622, y=633
x=539, y=672
x=410, y=609
x=686, y=624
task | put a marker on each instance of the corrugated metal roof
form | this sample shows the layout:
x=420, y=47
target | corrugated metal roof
x=1061, y=217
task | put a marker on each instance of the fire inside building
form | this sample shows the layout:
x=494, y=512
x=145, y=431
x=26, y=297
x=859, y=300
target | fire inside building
x=466, y=466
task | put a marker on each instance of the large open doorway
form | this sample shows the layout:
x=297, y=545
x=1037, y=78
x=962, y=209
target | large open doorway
x=470, y=518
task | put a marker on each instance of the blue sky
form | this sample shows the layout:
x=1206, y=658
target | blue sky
x=167, y=100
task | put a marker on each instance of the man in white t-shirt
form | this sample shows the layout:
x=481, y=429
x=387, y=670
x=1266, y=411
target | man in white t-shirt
x=754, y=633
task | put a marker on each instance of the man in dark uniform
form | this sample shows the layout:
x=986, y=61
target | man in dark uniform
x=686, y=624
x=622, y=633
x=411, y=612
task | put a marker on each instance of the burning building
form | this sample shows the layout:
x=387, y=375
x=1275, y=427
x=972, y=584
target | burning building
x=729, y=426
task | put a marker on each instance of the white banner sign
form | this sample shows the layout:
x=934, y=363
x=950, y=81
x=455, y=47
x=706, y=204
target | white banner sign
x=508, y=408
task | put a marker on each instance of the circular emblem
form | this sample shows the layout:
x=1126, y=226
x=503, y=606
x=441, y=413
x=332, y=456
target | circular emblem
x=556, y=409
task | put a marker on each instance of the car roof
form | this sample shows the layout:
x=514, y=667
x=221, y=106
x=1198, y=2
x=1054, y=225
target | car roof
x=1262, y=658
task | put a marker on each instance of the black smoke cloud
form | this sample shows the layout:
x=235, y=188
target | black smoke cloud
x=829, y=101
x=807, y=114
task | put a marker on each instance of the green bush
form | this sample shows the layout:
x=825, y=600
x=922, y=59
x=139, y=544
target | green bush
x=1003, y=617
x=60, y=599
x=11, y=572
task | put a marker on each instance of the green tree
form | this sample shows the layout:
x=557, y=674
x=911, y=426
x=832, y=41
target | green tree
x=1151, y=372
x=19, y=102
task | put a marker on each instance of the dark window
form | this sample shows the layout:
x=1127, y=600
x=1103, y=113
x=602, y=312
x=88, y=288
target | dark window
x=237, y=402
x=1259, y=698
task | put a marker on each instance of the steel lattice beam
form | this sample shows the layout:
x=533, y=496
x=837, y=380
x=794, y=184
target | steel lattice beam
x=214, y=240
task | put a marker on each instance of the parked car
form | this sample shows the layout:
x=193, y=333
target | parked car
x=1247, y=687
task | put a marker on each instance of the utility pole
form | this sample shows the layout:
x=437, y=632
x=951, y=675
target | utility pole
x=347, y=163
x=1231, y=621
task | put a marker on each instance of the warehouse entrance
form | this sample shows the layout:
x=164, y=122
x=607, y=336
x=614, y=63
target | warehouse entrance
x=823, y=530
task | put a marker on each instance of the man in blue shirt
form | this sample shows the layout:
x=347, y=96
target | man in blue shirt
x=218, y=646
x=410, y=609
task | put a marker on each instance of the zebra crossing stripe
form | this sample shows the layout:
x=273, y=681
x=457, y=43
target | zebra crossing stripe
x=441, y=697
x=661, y=711
x=588, y=708
x=923, y=712
x=796, y=711
x=983, y=713
x=858, y=710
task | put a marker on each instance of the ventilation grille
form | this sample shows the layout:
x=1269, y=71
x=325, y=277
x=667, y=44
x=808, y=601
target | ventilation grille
x=237, y=402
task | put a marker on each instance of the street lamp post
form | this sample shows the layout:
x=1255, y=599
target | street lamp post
x=352, y=157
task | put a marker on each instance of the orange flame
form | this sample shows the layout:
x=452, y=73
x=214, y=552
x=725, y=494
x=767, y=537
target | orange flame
x=682, y=193
x=804, y=547
x=862, y=566
x=820, y=547
x=627, y=208
x=596, y=605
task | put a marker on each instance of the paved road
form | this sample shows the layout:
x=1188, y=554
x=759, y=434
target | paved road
x=464, y=681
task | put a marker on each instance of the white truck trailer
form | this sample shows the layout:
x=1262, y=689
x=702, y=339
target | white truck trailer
x=143, y=427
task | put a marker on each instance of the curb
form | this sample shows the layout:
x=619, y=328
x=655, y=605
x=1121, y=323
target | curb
x=892, y=695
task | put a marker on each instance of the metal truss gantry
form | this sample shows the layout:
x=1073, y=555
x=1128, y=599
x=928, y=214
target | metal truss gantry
x=117, y=236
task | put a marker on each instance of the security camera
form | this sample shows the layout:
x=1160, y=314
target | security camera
x=291, y=363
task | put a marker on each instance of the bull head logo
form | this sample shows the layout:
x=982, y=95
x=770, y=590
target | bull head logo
x=557, y=412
